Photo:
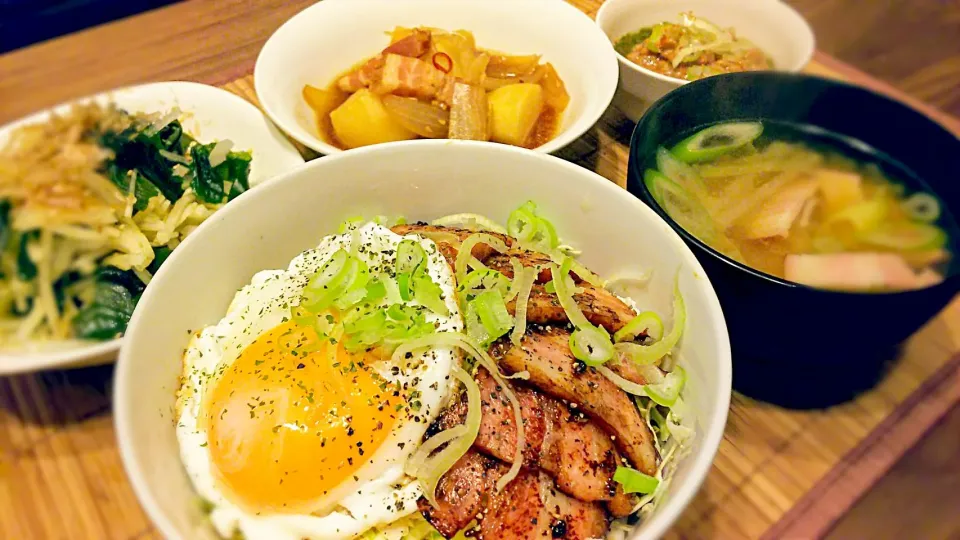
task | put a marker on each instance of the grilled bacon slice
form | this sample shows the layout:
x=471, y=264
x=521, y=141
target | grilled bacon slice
x=463, y=493
x=530, y=506
x=599, y=306
x=371, y=72
x=545, y=354
x=501, y=263
x=449, y=250
x=565, y=444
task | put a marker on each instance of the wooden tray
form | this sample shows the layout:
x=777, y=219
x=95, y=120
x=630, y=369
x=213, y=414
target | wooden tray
x=778, y=474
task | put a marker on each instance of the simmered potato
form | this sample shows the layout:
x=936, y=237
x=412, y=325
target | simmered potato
x=514, y=110
x=323, y=102
x=362, y=120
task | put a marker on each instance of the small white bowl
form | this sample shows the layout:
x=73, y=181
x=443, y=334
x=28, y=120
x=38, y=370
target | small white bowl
x=209, y=114
x=617, y=233
x=328, y=38
x=771, y=25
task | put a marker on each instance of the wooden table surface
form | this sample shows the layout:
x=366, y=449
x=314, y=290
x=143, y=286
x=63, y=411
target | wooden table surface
x=217, y=41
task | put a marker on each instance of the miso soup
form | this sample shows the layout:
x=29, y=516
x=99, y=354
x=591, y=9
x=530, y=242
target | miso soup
x=789, y=202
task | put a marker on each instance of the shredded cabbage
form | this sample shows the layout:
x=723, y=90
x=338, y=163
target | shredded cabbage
x=523, y=281
x=648, y=354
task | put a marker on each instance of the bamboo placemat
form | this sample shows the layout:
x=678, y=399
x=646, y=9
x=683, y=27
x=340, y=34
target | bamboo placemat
x=778, y=473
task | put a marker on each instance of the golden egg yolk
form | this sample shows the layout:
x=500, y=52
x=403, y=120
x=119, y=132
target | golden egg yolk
x=285, y=426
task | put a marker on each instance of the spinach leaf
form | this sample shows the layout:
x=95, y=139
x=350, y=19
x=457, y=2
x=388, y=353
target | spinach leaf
x=106, y=317
x=207, y=183
x=125, y=278
x=143, y=189
x=170, y=136
x=184, y=144
x=60, y=288
x=239, y=172
x=26, y=270
x=138, y=150
x=160, y=255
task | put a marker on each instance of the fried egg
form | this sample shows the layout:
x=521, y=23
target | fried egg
x=282, y=443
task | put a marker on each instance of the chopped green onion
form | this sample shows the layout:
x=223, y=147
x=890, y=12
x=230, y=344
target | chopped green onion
x=365, y=322
x=392, y=288
x=410, y=256
x=324, y=286
x=530, y=229
x=403, y=283
x=465, y=253
x=634, y=481
x=366, y=330
x=354, y=241
x=648, y=322
x=429, y=294
x=493, y=314
x=349, y=223
x=716, y=140
x=387, y=221
x=301, y=316
x=401, y=312
x=679, y=172
x=649, y=354
x=318, y=321
x=474, y=327
x=522, y=224
x=376, y=291
x=667, y=392
x=591, y=345
x=355, y=287
x=922, y=207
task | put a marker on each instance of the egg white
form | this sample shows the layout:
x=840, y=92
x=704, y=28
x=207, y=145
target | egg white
x=380, y=492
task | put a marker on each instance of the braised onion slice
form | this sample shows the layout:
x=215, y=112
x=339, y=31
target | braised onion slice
x=424, y=119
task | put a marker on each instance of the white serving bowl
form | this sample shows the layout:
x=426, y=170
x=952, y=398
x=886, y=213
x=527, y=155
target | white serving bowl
x=328, y=38
x=209, y=114
x=771, y=25
x=267, y=227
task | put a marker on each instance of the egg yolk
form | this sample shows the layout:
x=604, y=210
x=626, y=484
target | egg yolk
x=286, y=426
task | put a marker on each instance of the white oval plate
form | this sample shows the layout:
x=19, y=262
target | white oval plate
x=330, y=37
x=209, y=113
